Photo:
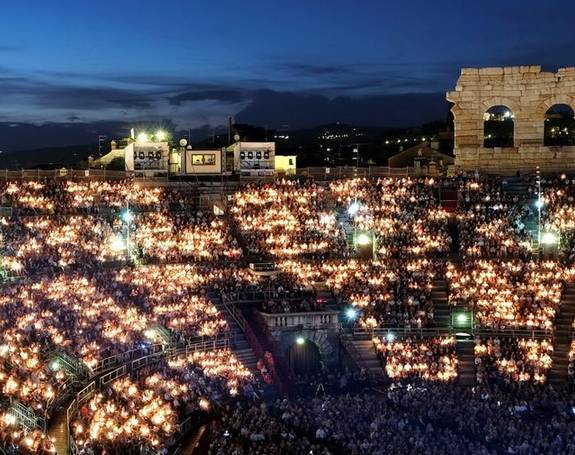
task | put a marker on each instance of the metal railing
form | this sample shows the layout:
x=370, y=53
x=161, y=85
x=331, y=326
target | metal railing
x=134, y=365
x=332, y=173
x=401, y=332
x=25, y=416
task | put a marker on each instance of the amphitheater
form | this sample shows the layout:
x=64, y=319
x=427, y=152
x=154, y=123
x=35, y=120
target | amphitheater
x=350, y=311
x=309, y=316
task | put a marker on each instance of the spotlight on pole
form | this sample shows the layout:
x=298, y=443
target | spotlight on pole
x=539, y=203
x=351, y=314
x=353, y=208
x=127, y=216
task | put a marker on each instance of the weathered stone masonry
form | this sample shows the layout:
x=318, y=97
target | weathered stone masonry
x=528, y=93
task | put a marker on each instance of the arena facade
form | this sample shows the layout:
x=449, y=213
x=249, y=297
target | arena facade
x=527, y=94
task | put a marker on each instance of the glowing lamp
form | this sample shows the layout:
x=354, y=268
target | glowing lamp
x=118, y=244
x=143, y=137
x=390, y=337
x=300, y=340
x=461, y=318
x=549, y=238
x=353, y=208
x=363, y=239
x=127, y=216
x=351, y=313
x=160, y=136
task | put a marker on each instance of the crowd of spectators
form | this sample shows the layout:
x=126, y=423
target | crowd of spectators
x=436, y=419
x=66, y=242
x=404, y=214
x=384, y=293
x=512, y=359
x=429, y=359
x=491, y=222
x=146, y=409
x=287, y=218
x=509, y=293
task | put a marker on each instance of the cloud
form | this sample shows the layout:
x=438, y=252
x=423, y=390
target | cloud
x=222, y=94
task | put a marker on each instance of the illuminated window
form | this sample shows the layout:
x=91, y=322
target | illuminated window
x=559, y=126
x=203, y=160
x=498, y=127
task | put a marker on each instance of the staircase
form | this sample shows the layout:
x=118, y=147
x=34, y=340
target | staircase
x=58, y=431
x=441, y=308
x=516, y=186
x=464, y=348
x=563, y=336
x=453, y=230
x=239, y=344
x=363, y=353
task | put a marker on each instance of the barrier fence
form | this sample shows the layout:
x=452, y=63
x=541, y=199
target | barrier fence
x=401, y=332
x=132, y=366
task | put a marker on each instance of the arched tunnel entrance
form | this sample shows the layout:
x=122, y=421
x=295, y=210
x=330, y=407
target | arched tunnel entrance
x=304, y=357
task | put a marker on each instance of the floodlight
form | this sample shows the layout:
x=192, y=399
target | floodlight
x=353, y=208
x=161, y=135
x=118, y=243
x=127, y=216
x=351, y=313
x=549, y=238
x=143, y=137
x=363, y=239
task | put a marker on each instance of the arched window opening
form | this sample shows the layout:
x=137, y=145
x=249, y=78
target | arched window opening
x=498, y=127
x=559, y=126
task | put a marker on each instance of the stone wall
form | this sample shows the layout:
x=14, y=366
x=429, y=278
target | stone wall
x=528, y=93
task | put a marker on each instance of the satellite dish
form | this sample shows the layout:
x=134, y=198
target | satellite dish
x=236, y=137
x=183, y=142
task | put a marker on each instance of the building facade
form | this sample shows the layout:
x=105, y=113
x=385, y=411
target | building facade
x=500, y=119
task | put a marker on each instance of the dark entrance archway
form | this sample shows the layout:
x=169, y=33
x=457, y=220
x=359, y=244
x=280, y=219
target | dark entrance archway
x=304, y=357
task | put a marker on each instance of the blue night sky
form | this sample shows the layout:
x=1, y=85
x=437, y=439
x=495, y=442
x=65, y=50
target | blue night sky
x=287, y=64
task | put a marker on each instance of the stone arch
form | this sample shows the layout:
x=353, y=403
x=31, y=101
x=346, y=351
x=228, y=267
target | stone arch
x=514, y=106
x=548, y=103
x=559, y=126
x=498, y=126
x=304, y=358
